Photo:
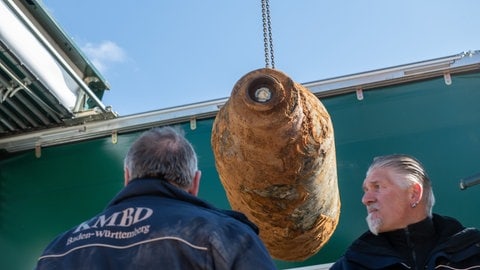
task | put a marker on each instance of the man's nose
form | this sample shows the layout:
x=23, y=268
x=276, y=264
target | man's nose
x=368, y=198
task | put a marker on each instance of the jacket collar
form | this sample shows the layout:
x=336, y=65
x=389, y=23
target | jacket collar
x=376, y=251
x=161, y=188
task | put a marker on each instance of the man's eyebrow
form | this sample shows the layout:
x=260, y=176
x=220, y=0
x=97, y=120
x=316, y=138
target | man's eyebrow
x=369, y=183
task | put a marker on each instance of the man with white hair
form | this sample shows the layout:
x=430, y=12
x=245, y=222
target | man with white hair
x=403, y=231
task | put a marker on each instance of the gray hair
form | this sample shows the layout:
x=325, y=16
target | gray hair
x=413, y=171
x=162, y=153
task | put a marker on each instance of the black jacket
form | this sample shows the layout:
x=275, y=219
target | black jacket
x=151, y=224
x=434, y=243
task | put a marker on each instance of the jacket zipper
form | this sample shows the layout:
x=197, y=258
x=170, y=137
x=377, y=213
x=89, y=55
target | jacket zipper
x=410, y=244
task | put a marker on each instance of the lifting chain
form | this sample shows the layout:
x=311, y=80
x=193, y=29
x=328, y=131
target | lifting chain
x=267, y=34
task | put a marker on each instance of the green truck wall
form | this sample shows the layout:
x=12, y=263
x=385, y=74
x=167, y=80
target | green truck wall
x=438, y=123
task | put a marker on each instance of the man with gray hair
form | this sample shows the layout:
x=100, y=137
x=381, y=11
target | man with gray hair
x=157, y=221
x=403, y=231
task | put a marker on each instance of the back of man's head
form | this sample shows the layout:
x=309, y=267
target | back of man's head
x=162, y=153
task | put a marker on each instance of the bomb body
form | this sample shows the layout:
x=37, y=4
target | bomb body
x=274, y=150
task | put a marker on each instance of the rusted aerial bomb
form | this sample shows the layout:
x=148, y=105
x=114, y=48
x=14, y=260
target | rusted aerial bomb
x=274, y=150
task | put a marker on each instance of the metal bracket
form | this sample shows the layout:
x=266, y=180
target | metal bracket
x=447, y=78
x=193, y=123
x=114, y=137
x=359, y=92
x=38, y=150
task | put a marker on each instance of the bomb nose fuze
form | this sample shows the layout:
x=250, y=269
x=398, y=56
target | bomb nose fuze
x=274, y=150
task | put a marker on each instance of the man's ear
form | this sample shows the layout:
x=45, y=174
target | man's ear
x=193, y=190
x=416, y=193
x=126, y=176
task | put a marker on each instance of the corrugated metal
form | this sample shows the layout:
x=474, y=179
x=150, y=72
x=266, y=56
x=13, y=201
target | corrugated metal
x=45, y=81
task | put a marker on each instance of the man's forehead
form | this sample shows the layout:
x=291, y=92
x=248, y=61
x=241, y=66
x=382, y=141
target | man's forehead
x=377, y=176
x=372, y=181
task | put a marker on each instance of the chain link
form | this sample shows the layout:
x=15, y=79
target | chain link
x=267, y=34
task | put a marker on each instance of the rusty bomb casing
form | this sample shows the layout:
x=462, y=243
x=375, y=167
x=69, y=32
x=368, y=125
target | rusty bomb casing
x=274, y=150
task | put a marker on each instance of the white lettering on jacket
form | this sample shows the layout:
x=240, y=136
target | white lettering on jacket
x=125, y=218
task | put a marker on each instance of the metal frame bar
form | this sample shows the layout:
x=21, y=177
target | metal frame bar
x=55, y=54
x=389, y=76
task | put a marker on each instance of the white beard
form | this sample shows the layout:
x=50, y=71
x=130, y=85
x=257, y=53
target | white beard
x=374, y=224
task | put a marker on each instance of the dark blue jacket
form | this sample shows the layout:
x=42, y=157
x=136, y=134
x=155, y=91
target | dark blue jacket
x=151, y=224
x=437, y=243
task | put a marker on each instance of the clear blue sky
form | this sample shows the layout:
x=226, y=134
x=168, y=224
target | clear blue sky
x=157, y=54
